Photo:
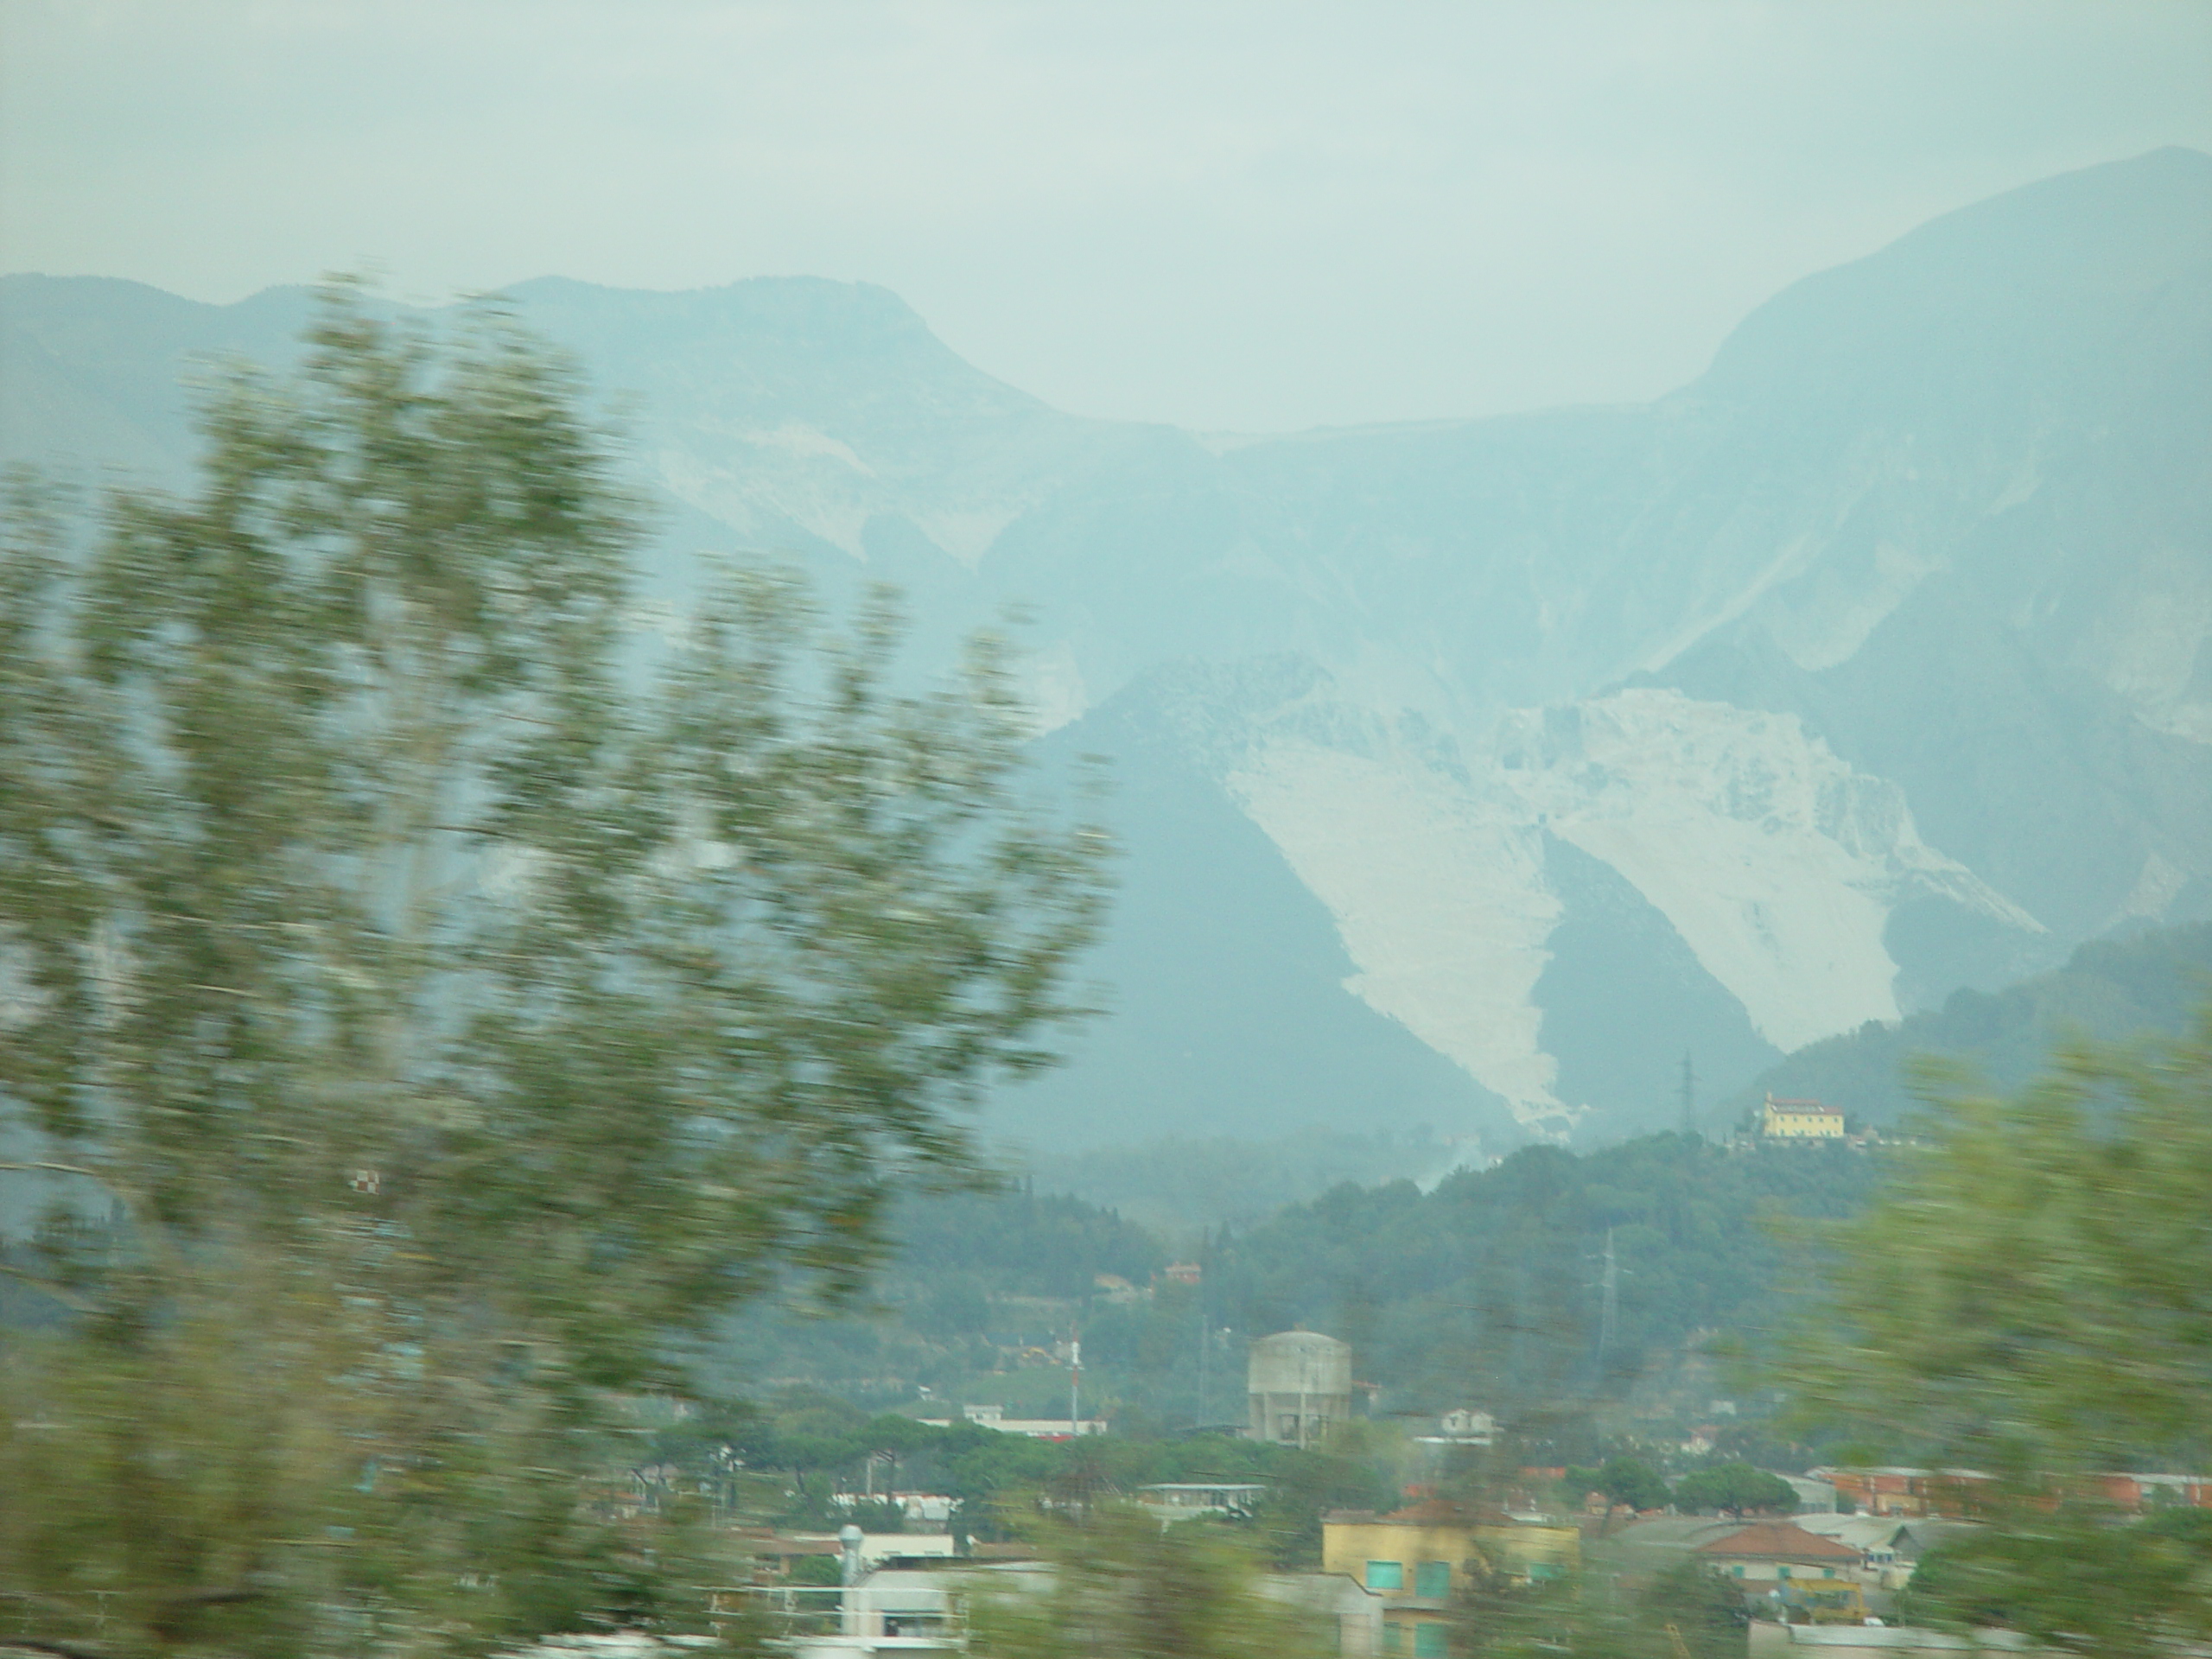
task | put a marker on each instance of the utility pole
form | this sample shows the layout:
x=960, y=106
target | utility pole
x=1610, y=1308
x=1074, y=1386
x=1689, y=1097
x=1205, y=1341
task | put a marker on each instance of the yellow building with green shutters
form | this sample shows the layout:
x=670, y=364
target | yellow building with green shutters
x=1800, y=1120
x=1419, y=1559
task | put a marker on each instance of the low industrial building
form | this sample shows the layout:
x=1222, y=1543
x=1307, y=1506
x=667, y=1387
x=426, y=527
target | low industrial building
x=1037, y=1428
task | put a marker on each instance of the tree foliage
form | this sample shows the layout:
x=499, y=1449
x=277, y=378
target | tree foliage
x=1735, y=1487
x=1121, y=1583
x=1499, y=1615
x=432, y=1004
x=1633, y=1481
x=2032, y=1299
x=1487, y=1288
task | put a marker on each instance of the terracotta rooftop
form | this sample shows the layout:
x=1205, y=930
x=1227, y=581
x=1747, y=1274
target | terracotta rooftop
x=1778, y=1541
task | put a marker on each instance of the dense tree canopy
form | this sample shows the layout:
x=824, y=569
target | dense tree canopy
x=431, y=1003
x=1489, y=1289
x=1737, y=1488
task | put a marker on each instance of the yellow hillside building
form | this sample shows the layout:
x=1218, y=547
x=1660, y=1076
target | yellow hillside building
x=1801, y=1120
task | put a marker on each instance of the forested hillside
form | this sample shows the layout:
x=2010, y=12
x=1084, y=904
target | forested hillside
x=2110, y=988
x=1488, y=1289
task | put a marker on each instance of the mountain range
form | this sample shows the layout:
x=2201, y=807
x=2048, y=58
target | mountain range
x=1475, y=774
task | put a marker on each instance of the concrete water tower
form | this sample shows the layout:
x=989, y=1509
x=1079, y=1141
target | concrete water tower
x=1300, y=1382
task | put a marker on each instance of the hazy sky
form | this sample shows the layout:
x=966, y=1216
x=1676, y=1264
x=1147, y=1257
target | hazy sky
x=1245, y=216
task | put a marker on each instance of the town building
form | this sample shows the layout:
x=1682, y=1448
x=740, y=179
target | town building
x=923, y=1511
x=1037, y=1428
x=1889, y=1548
x=1901, y=1491
x=2139, y=1492
x=1417, y=1559
x=1814, y=1497
x=1800, y=1120
x=1298, y=1383
x=1780, y=1552
x=1467, y=1426
x=1957, y=1494
x=1187, y=1500
x=1352, y=1614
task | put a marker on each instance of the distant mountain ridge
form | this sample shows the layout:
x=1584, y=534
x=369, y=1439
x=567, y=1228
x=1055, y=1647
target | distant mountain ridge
x=1528, y=754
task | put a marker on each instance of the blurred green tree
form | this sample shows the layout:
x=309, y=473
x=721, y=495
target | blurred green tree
x=1736, y=1487
x=2032, y=1300
x=1685, y=1610
x=428, y=1003
x=1633, y=1481
x=1118, y=1582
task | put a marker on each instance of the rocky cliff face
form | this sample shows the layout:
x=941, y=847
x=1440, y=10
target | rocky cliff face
x=1543, y=750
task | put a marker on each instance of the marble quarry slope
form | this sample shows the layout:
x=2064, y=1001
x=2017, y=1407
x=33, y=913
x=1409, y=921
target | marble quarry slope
x=1872, y=664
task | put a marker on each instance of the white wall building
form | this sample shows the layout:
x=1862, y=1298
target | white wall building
x=1298, y=1383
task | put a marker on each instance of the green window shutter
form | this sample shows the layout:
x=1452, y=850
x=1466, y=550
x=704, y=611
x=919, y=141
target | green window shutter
x=1433, y=1579
x=1393, y=1638
x=1429, y=1641
x=1386, y=1575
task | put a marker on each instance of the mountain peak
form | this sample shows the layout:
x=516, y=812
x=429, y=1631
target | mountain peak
x=1995, y=270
